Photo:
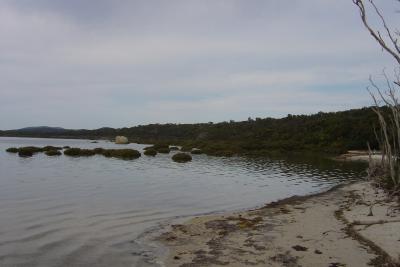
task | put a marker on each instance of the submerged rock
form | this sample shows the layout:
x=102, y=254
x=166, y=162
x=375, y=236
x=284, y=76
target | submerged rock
x=150, y=152
x=28, y=151
x=99, y=150
x=182, y=157
x=53, y=153
x=197, y=151
x=72, y=152
x=160, y=148
x=12, y=150
x=87, y=152
x=122, y=153
x=186, y=149
x=164, y=150
x=48, y=148
x=25, y=153
x=77, y=152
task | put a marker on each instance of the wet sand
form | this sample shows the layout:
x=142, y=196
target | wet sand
x=335, y=228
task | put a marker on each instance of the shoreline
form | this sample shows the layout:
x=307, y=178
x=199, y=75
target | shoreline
x=360, y=156
x=330, y=228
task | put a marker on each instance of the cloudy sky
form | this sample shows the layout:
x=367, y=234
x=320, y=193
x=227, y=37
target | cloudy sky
x=95, y=63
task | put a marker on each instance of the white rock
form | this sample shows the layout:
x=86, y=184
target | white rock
x=121, y=140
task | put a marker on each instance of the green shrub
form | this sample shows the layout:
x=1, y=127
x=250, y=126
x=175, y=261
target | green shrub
x=28, y=151
x=72, y=152
x=78, y=152
x=53, y=153
x=182, y=157
x=164, y=150
x=186, y=149
x=25, y=153
x=108, y=153
x=158, y=146
x=161, y=148
x=34, y=149
x=12, y=150
x=122, y=153
x=48, y=148
x=98, y=150
x=197, y=151
x=66, y=147
x=87, y=152
x=150, y=152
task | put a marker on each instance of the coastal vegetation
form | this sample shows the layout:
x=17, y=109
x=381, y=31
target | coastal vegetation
x=333, y=133
x=78, y=152
x=12, y=150
x=51, y=148
x=28, y=151
x=197, y=151
x=33, y=149
x=122, y=153
x=53, y=153
x=181, y=157
x=25, y=153
x=159, y=148
x=110, y=153
x=150, y=152
x=186, y=148
x=164, y=150
x=98, y=150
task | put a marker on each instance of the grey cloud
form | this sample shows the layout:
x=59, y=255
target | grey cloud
x=126, y=62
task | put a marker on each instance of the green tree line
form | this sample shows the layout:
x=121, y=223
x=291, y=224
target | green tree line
x=333, y=132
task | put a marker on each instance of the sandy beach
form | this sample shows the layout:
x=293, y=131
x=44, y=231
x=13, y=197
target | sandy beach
x=360, y=155
x=350, y=225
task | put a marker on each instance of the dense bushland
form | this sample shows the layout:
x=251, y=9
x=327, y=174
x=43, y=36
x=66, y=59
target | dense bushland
x=333, y=132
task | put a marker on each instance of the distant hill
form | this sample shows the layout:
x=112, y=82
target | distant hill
x=332, y=132
x=42, y=129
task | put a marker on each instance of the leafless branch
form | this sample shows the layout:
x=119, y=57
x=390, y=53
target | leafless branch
x=394, y=52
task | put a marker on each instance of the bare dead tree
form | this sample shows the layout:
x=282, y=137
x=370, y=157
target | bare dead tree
x=389, y=44
x=389, y=135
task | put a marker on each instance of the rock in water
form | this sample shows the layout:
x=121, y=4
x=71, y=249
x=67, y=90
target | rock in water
x=121, y=140
x=181, y=157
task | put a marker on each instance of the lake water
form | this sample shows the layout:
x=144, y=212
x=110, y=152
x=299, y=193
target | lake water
x=96, y=211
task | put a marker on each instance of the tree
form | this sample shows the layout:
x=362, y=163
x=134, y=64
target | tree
x=389, y=134
x=389, y=43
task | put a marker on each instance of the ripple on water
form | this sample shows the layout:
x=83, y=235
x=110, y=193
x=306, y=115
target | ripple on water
x=93, y=211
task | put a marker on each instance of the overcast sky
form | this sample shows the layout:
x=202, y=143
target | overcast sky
x=89, y=64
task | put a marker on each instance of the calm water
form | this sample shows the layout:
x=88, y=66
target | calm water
x=61, y=211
